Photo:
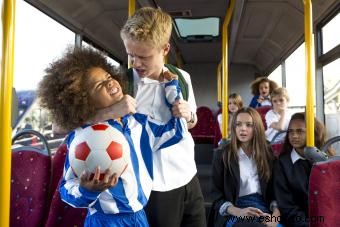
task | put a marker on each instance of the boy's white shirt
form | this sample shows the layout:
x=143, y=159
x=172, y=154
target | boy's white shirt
x=271, y=117
x=173, y=166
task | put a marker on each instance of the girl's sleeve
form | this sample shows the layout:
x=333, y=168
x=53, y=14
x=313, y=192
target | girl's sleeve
x=72, y=193
x=253, y=102
x=217, y=188
x=284, y=197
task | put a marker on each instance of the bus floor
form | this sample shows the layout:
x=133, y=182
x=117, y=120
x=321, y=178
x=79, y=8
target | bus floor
x=203, y=157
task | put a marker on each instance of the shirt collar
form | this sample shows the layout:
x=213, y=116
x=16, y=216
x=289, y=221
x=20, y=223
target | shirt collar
x=295, y=156
x=146, y=80
x=243, y=155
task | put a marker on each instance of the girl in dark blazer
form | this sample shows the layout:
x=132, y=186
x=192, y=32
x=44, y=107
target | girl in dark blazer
x=291, y=172
x=242, y=176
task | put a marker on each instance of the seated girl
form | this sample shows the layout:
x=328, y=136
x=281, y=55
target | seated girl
x=242, y=176
x=234, y=104
x=291, y=172
x=74, y=88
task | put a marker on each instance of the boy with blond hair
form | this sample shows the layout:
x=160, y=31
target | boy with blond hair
x=278, y=118
x=176, y=199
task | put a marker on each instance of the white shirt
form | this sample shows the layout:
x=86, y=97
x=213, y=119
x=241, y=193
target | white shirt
x=174, y=166
x=295, y=156
x=219, y=120
x=272, y=117
x=249, y=179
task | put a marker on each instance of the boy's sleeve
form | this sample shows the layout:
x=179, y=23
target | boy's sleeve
x=191, y=100
x=270, y=118
x=72, y=193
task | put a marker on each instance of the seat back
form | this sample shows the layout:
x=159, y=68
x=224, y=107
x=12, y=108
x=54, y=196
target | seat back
x=277, y=149
x=58, y=166
x=217, y=131
x=30, y=182
x=60, y=213
x=324, y=196
x=204, y=130
x=263, y=111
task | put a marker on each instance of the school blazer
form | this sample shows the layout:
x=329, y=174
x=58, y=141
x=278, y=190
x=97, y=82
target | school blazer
x=226, y=187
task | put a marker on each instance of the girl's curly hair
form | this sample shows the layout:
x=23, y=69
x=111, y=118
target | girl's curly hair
x=64, y=91
x=256, y=83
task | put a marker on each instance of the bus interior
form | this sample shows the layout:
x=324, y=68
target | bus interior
x=265, y=38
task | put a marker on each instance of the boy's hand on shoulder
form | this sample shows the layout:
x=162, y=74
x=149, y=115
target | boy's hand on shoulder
x=95, y=184
x=170, y=76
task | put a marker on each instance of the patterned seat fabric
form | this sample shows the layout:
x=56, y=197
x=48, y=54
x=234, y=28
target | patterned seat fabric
x=60, y=213
x=204, y=131
x=324, y=199
x=30, y=181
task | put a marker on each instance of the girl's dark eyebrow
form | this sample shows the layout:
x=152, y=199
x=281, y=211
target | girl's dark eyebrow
x=95, y=83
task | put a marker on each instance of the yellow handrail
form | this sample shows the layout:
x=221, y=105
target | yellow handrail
x=310, y=72
x=225, y=69
x=132, y=7
x=6, y=84
x=219, y=83
x=131, y=11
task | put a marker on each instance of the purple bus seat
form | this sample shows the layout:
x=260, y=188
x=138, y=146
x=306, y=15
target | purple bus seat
x=204, y=131
x=324, y=197
x=58, y=166
x=263, y=111
x=60, y=213
x=30, y=182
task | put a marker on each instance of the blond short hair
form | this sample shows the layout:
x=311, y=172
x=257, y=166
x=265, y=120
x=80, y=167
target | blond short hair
x=148, y=25
x=280, y=91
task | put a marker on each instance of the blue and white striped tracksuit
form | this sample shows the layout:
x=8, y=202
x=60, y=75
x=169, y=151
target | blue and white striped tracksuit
x=123, y=204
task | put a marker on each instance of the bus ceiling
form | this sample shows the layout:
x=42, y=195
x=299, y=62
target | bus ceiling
x=257, y=36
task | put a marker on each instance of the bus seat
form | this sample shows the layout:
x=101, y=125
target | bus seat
x=263, y=111
x=58, y=165
x=276, y=148
x=324, y=197
x=62, y=214
x=217, y=131
x=30, y=181
x=204, y=130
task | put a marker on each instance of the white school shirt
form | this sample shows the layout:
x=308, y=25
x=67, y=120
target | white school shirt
x=249, y=178
x=175, y=166
x=272, y=116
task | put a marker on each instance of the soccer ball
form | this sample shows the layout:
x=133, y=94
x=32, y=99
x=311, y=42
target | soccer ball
x=98, y=145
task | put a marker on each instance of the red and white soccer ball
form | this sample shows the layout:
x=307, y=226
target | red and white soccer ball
x=99, y=145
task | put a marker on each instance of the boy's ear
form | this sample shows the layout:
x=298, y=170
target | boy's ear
x=166, y=49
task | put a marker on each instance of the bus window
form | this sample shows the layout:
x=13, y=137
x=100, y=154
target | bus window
x=276, y=75
x=331, y=78
x=38, y=40
x=295, y=79
x=112, y=61
x=331, y=34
